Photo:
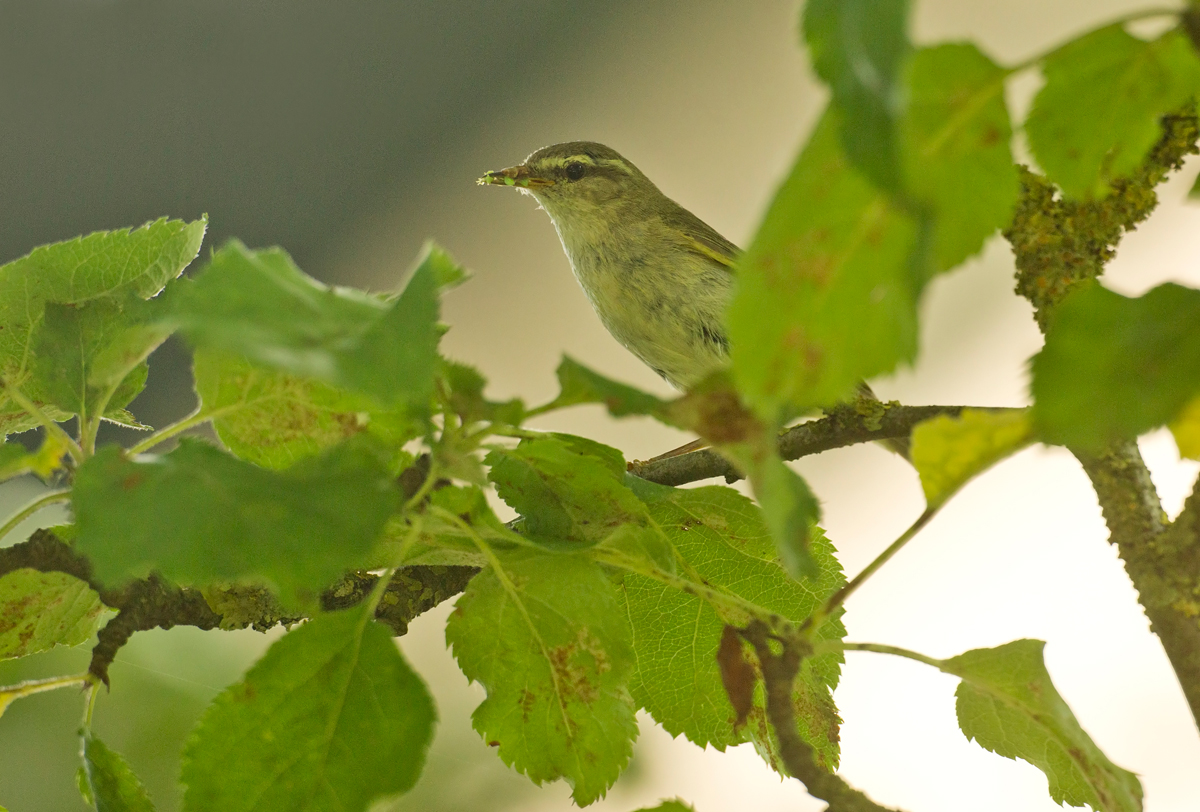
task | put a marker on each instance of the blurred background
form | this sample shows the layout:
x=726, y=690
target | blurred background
x=350, y=132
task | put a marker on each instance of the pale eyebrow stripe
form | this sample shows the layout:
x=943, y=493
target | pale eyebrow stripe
x=607, y=163
x=570, y=159
x=615, y=164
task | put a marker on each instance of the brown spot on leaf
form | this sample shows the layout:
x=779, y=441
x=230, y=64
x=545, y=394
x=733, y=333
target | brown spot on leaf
x=717, y=415
x=576, y=675
x=528, y=700
x=737, y=675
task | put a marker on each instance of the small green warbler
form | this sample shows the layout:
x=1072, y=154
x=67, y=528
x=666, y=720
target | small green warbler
x=658, y=277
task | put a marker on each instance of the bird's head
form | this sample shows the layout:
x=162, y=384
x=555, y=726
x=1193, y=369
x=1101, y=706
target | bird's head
x=578, y=181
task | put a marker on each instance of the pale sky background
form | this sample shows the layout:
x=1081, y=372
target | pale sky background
x=712, y=100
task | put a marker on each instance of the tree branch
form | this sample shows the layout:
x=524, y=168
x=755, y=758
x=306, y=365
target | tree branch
x=779, y=675
x=154, y=602
x=845, y=425
x=1162, y=560
x=1060, y=243
x=412, y=592
x=149, y=603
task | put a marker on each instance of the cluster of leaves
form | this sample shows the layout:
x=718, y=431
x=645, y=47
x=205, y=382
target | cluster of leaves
x=350, y=443
x=319, y=396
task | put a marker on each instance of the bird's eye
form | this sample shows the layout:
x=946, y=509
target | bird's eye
x=574, y=171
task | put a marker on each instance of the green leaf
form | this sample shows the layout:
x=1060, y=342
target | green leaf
x=578, y=384
x=274, y=418
x=1007, y=704
x=1115, y=367
x=41, y=610
x=14, y=460
x=85, y=789
x=114, y=265
x=1098, y=114
x=1186, y=429
x=673, y=805
x=441, y=541
x=548, y=640
x=791, y=511
x=717, y=412
x=949, y=451
x=859, y=48
x=92, y=355
x=331, y=718
x=564, y=489
x=43, y=463
x=463, y=392
x=110, y=782
x=436, y=261
x=723, y=542
x=826, y=296
x=260, y=305
x=646, y=544
x=198, y=515
x=955, y=137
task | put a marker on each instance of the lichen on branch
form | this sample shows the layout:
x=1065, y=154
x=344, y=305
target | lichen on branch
x=1060, y=243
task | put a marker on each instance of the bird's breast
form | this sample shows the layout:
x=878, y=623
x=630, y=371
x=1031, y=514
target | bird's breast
x=663, y=303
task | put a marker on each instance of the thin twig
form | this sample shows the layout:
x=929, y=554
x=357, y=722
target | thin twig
x=33, y=507
x=842, y=427
x=779, y=676
x=880, y=648
x=196, y=418
x=838, y=598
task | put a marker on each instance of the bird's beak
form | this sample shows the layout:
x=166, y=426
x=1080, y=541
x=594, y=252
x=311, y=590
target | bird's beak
x=518, y=175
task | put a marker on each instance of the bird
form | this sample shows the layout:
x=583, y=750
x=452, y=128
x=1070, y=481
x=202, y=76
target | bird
x=658, y=277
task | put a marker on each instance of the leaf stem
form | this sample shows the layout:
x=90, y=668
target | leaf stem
x=194, y=419
x=90, y=707
x=32, y=508
x=838, y=598
x=545, y=408
x=28, y=405
x=1132, y=17
x=501, y=430
x=377, y=591
x=879, y=648
x=487, y=553
x=8, y=693
x=89, y=430
x=410, y=538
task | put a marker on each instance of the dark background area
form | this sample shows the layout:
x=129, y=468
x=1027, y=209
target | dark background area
x=286, y=121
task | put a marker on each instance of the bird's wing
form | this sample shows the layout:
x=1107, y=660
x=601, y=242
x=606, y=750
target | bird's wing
x=701, y=238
